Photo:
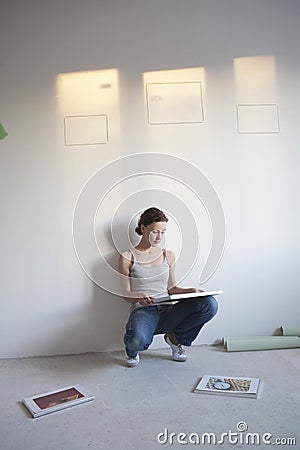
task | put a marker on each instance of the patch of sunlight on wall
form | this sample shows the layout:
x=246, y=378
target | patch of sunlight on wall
x=91, y=93
x=174, y=108
x=264, y=188
x=176, y=75
x=174, y=96
x=255, y=79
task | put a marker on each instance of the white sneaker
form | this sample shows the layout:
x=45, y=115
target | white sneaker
x=178, y=352
x=132, y=362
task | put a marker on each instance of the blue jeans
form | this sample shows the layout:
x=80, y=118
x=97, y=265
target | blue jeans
x=185, y=319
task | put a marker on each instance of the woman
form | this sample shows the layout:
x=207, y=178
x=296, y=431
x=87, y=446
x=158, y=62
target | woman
x=149, y=274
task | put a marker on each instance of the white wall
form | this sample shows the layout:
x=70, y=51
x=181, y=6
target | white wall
x=249, y=53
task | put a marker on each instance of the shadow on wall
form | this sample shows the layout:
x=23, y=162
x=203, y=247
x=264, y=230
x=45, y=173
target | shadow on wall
x=94, y=324
x=110, y=311
x=97, y=326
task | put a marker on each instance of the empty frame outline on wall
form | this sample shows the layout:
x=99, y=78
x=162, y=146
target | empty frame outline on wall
x=261, y=118
x=86, y=129
x=178, y=102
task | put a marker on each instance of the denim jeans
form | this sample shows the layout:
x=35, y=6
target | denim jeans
x=185, y=319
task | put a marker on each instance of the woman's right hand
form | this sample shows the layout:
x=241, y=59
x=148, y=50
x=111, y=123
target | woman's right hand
x=145, y=300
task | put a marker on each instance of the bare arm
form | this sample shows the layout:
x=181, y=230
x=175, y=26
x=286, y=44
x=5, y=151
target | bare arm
x=172, y=288
x=125, y=264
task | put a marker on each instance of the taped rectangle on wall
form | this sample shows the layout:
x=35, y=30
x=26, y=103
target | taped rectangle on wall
x=262, y=118
x=86, y=130
x=174, y=103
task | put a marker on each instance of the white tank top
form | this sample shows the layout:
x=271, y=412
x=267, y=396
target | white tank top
x=151, y=280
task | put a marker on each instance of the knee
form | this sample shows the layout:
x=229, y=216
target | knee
x=212, y=306
x=136, y=341
x=207, y=305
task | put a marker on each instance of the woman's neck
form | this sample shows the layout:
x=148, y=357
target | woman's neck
x=144, y=246
x=144, y=249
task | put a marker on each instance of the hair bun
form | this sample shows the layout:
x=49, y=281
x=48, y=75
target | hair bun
x=138, y=230
x=149, y=216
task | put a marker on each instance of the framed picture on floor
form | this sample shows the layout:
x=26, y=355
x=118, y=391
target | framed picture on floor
x=39, y=405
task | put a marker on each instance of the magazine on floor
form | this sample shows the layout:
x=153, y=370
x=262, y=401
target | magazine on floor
x=228, y=385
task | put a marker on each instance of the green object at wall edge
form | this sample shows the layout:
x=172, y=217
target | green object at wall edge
x=3, y=132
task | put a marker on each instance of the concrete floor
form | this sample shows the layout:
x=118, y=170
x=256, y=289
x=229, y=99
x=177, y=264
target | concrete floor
x=133, y=405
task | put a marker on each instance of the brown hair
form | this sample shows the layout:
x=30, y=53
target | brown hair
x=149, y=216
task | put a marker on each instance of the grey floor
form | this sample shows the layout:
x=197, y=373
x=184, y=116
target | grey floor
x=133, y=405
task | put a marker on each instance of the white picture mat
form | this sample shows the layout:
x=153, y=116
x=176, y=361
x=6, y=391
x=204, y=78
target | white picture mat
x=171, y=103
x=262, y=118
x=86, y=130
x=202, y=385
x=175, y=297
x=36, y=411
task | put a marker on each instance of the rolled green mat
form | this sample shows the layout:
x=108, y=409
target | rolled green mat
x=286, y=331
x=265, y=343
x=3, y=132
x=234, y=338
x=237, y=338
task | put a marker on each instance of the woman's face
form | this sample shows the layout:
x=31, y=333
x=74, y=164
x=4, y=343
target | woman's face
x=154, y=232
